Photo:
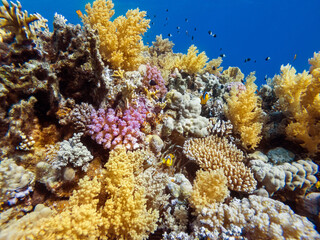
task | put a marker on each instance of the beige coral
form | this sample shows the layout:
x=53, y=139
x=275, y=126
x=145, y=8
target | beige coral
x=213, y=153
x=260, y=217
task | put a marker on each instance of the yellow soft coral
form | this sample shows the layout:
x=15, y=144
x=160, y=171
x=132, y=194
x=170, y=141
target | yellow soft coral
x=299, y=97
x=209, y=188
x=121, y=40
x=16, y=21
x=110, y=206
x=245, y=113
x=192, y=63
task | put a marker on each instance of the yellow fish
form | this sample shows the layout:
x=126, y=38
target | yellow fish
x=79, y=13
x=204, y=98
x=295, y=56
x=168, y=160
x=318, y=185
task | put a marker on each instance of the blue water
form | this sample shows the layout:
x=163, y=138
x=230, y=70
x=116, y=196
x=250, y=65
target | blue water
x=253, y=29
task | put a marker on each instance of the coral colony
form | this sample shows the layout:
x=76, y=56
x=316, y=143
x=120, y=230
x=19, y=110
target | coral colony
x=103, y=137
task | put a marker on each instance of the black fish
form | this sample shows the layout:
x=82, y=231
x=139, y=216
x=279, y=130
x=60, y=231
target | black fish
x=192, y=38
x=222, y=55
x=169, y=35
x=267, y=58
x=152, y=82
x=186, y=19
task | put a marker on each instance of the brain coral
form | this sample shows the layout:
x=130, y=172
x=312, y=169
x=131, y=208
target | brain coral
x=213, y=153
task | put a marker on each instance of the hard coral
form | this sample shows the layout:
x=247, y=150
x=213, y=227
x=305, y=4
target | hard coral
x=245, y=113
x=121, y=40
x=214, y=153
x=299, y=97
x=16, y=21
x=112, y=129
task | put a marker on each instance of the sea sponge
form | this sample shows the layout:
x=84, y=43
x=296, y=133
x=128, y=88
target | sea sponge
x=121, y=40
x=192, y=62
x=214, y=153
x=209, y=188
x=299, y=98
x=244, y=111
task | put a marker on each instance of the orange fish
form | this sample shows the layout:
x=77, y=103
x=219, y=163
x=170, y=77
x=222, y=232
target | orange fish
x=79, y=13
x=295, y=56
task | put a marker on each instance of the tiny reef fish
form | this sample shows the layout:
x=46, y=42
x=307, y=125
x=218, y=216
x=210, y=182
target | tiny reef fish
x=204, y=98
x=295, y=57
x=267, y=58
x=318, y=185
x=79, y=13
x=168, y=160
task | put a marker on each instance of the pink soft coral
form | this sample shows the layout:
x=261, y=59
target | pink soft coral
x=112, y=129
x=154, y=80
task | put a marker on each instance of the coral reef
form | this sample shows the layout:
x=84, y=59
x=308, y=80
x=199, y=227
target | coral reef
x=102, y=137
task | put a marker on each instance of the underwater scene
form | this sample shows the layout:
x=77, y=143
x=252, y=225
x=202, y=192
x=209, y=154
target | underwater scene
x=144, y=120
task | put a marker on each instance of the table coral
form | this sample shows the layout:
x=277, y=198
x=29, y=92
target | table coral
x=299, y=98
x=214, y=153
x=121, y=44
x=244, y=111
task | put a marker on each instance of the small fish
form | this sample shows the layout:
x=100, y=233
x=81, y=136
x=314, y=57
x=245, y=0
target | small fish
x=152, y=82
x=247, y=60
x=166, y=19
x=318, y=185
x=169, y=35
x=295, y=56
x=210, y=33
x=222, y=55
x=178, y=27
x=214, y=68
x=79, y=13
x=214, y=35
x=167, y=10
x=220, y=49
x=186, y=20
x=267, y=58
x=204, y=98
x=168, y=160
x=192, y=38
x=266, y=77
x=195, y=29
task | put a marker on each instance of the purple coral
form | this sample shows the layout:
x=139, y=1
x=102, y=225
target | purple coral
x=112, y=129
x=154, y=80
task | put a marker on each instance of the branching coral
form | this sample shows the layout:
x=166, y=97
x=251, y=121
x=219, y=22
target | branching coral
x=192, y=62
x=114, y=129
x=121, y=40
x=245, y=113
x=299, y=97
x=13, y=19
x=214, y=153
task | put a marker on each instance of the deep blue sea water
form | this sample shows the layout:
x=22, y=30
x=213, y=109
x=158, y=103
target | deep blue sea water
x=254, y=29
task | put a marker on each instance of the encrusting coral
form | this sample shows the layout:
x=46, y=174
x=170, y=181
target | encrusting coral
x=121, y=40
x=299, y=98
x=245, y=113
x=214, y=153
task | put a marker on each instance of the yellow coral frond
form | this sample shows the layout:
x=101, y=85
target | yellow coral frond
x=192, y=62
